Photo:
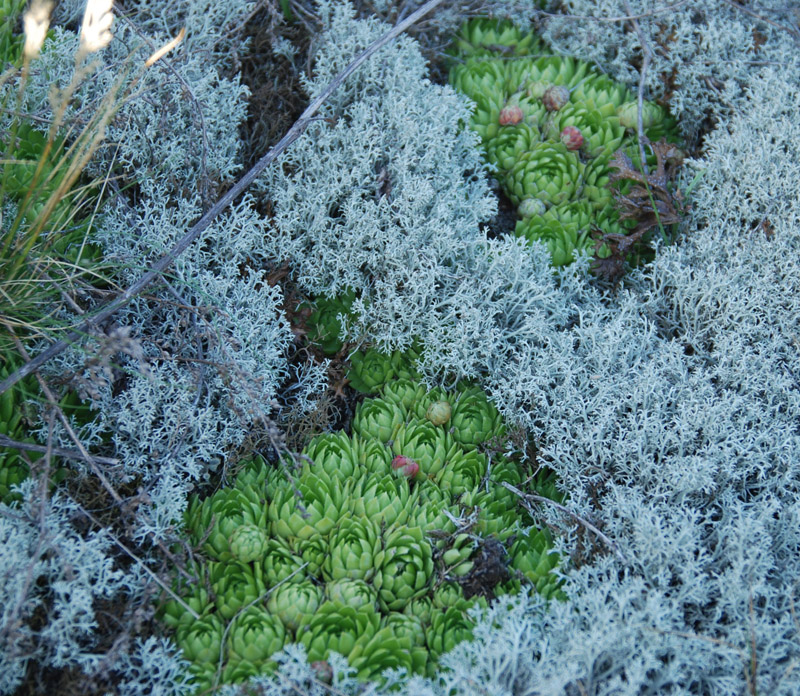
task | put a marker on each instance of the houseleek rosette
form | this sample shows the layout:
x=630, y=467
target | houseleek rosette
x=428, y=445
x=355, y=550
x=313, y=509
x=547, y=71
x=475, y=419
x=336, y=454
x=254, y=636
x=548, y=172
x=386, y=500
x=601, y=129
x=248, y=543
x=281, y=562
x=195, y=596
x=463, y=472
x=447, y=629
x=481, y=80
x=533, y=556
x=486, y=37
x=312, y=551
x=433, y=517
x=508, y=145
x=294, y=603
x=218, y=516
x=420, y=608
x=337, y=628
x=236, y=585
x=325, y=323
x=384, y=650
x=406, y=569
x=201, y=640
x=356, y=594
x=405, y=394
x=409, y=629
x=376, y=419
x=599, y=92
x=374, y=457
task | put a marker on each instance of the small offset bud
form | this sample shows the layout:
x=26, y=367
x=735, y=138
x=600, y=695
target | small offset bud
x=405, y=466
x=438, y=412
x=510, y=116
x=536, y=90
x=555, y=97
x=572, y=138
x=531, y=207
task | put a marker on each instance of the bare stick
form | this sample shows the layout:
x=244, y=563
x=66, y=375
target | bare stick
x=6, y=441
x=202, y=224
x=559, y=506
x=648, y=54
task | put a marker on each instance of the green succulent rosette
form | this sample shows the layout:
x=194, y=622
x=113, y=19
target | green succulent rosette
x=201, y=640
x=384, y=650
x=239, y=671
x=475, y=419
x=406, y=568
x=463, y=472
x=508, y=145
x=194, y=595
x=433, y=518
x=281, y=563
x=294, y=603
x=505, y=470
x=534, y=113
x=374, y=458
x=404, y=393
x=386, y=500
x=235, y=585
x=652, y=115
x=376, y=419
x=356, y=594
x=533, y=556
x=447, y=629
x=335, y=454
x=409, y=629
x=217, y=517
x=548, y=172
x=495, y=518
x=561, y=239
x=313, y=508
x=254, y=636
x=252, y=474
x=482, y=36
x=248, y=543
x=449, y=594
x=370, y=370
x=428, y=445
x=554, y=70
x=600, y=92
x=485, y=119
x=337, y=628
x=482, y=80
x=420, y=608
x=312, y=551
x=602, y=133
x=325, y=322
x=355, y=550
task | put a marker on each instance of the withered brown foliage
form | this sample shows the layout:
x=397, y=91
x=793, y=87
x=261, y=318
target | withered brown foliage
x=651, y=203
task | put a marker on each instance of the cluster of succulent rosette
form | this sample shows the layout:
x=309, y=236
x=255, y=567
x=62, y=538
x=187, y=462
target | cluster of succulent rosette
x=372, y=545
x=550, y=126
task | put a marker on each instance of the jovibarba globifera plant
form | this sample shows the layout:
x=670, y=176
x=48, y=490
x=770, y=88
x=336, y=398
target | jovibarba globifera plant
x=373, y=545
x=550, y=127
